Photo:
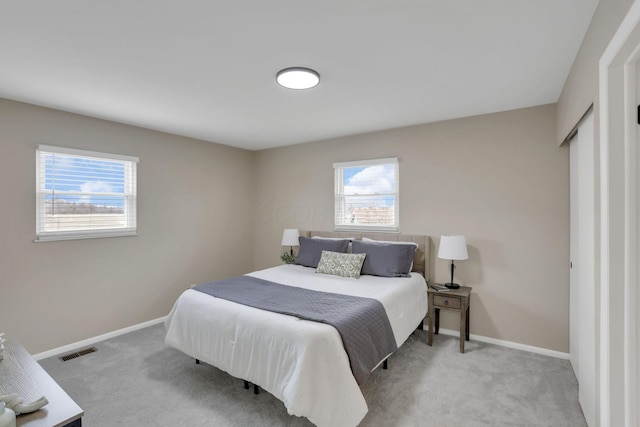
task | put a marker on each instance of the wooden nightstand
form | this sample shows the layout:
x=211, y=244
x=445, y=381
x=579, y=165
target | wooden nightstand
x=454, y=300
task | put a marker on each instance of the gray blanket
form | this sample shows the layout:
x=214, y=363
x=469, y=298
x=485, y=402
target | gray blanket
x=362, y=322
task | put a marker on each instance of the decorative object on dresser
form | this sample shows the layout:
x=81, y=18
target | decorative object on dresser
x=7, y=416
x=16, y=403
x=450, y=299
x=290, y=238
x=453, y=248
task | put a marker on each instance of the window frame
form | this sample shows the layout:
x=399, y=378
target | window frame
x=130, y=195
x=339, y=196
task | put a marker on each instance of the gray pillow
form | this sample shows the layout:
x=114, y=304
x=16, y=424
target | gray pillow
x=311, y=249
x=385, y=259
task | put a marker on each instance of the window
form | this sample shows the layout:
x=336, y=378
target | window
x=84, y=194
x=366, y=195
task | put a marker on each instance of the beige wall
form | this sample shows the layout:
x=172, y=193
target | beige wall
x=581, y=88
x=500, y=179
x=194, y=216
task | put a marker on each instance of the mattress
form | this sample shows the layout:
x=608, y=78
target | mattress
x=302, y=363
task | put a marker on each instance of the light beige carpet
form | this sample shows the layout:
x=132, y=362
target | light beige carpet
x=135, y=380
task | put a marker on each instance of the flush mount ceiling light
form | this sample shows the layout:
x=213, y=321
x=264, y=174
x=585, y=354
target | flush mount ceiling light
x=298, y=78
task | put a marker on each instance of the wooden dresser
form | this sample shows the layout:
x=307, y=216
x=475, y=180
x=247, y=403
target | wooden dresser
x=21, y=374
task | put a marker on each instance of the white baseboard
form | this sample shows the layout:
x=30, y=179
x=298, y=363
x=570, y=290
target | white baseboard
x=509, y=344
x=91, y=341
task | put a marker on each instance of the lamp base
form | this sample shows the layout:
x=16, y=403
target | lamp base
x=452, y=285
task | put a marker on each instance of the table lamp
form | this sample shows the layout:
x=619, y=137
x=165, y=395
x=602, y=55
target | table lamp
x=453, y=248
x=290, y=238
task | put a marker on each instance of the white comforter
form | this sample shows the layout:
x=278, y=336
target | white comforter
x=302, y=363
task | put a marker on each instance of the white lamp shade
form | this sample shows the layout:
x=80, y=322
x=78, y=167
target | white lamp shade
x=290, y=237
x=453, y=248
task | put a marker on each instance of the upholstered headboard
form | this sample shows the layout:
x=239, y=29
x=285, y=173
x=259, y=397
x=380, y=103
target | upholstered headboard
x=420, y=259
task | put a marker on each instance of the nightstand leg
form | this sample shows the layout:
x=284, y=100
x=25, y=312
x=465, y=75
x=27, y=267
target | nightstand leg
x=468, y=316
x=463, y=329
x=437, y=320
x=430, y=324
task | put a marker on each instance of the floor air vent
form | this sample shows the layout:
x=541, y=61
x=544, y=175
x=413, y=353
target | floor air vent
x=77, y=354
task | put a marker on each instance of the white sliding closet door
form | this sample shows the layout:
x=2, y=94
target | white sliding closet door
x=582, y=320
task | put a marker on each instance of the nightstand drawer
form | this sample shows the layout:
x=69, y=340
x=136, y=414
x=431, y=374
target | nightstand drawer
x=446, y=302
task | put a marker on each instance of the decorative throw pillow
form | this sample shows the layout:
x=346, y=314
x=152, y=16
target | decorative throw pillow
x=311, y=249
x=340, y=264
x=386, y=259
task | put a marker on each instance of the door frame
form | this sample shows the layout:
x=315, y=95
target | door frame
x=618, y=365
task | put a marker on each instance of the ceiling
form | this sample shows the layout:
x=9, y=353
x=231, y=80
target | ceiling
x=206, y=69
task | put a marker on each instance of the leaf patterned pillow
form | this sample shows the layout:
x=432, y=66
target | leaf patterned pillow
x=341, y=264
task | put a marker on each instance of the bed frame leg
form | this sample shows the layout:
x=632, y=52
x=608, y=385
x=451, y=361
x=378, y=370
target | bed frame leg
x=256, y=389
x=420, y=327
x=197, y=361
x=246, y=385
x=384, y=364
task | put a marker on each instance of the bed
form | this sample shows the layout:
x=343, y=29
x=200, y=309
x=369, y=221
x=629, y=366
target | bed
x=302, y=363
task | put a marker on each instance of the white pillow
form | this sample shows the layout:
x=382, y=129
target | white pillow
x=332, y=238
x=366, y=239
x=349, y=248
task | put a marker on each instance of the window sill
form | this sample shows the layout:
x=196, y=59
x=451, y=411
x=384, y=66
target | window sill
x=82, y=236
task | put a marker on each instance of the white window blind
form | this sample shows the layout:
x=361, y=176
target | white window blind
x=367, y=195
x=84, y=194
